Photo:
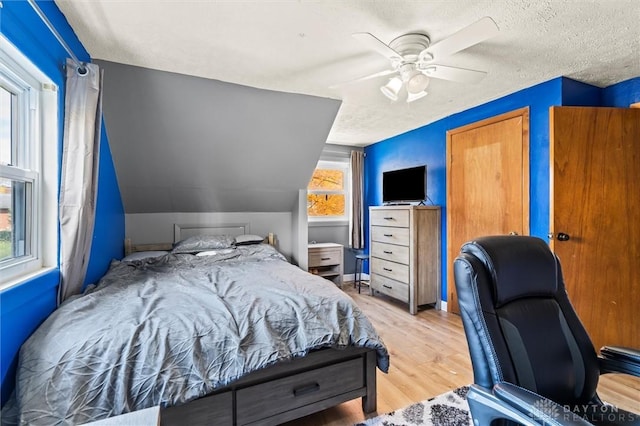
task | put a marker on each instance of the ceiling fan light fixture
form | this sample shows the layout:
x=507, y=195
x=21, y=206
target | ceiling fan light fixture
x=392, y=88
x=417, y=82
x=415, y=96
x=425, y=56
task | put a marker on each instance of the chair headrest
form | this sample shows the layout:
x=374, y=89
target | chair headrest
x=520, y=266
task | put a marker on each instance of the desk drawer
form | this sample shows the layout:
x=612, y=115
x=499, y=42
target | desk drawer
x=395, y=271
x=298, y=390
x=392, y=252
x=324, y=257
x=388, y=234
x=399, y=218
x=390, y=287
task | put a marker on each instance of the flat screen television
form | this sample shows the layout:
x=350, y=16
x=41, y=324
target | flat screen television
x=404, y=185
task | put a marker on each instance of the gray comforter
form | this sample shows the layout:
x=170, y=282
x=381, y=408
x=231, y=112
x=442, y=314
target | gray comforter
x=172, y=329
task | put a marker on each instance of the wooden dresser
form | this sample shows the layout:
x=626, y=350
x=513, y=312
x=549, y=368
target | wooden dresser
x=404, y=244
x=325, y=259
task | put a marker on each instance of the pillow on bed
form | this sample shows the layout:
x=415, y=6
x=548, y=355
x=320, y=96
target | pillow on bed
x=141, y=255
x=215, y=252
x=203, y=243
x=247, y=239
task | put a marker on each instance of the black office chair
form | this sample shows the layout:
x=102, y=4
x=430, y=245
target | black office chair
x=533, y=362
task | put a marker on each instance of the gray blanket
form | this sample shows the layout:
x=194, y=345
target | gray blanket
x=172, y=329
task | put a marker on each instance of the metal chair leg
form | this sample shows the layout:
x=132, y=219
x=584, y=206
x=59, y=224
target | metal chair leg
x=359, y=273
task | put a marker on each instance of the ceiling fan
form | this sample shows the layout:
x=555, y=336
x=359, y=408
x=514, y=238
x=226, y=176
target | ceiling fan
x=412, y=59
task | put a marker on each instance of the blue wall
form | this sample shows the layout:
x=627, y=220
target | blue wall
x=622, y=94
x=109, y=232
x=427, y=145
x=25, y=306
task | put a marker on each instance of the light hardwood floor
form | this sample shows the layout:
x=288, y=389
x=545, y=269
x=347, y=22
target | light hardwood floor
x=429, y=356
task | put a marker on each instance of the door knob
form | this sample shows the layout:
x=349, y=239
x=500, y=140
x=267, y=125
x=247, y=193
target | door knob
x=563, y=237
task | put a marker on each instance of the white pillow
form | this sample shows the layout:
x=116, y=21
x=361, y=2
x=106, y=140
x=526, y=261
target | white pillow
x=214, y=252
x=248, y=239
x=141, y=255
x=200, y=243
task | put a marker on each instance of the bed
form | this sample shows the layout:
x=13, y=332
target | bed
x=230, y=334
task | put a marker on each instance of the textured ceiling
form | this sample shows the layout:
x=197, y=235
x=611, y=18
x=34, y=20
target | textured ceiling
x=307, y=47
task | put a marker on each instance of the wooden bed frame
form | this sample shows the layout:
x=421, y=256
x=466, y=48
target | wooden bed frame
x=285, y=391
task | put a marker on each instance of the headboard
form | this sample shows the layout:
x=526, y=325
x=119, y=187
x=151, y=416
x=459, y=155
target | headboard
x=182, y=231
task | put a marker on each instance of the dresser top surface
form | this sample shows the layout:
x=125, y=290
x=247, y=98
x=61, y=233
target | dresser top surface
x=324, y=245
x=404, y=207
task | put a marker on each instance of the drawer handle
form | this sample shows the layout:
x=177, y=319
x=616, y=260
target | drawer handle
x=325, y=258
x=387, y=286
x=387, y=269
x=387, y=252
x=388, y=235
x=303, y=390
x=388, y=218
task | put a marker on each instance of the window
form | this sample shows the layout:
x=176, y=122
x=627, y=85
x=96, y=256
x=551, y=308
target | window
x=25, y=108
x=17, y=175
x=328, y=192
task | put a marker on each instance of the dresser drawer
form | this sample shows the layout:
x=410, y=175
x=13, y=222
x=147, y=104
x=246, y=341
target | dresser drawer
x=387, y=234
x=395, y=271
x=390, y=287
x=324, y=257
x=392, y=252
x=390, y=217
x=299, y=390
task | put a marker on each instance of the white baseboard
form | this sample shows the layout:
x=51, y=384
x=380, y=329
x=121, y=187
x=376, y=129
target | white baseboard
x=365, y=277
x=352, y=277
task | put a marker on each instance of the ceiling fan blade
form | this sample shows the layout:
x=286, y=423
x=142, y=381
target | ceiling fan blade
x=461, y=75
x=374, y=43
x=475, y=33
x=366, y=77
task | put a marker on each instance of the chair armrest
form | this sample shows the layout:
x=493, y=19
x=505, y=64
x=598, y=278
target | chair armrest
x=507, y=401
x=615, y=359
x=535, y=406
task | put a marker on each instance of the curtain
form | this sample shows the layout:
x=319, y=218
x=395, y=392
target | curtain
x=78, y=186
x=357, y=211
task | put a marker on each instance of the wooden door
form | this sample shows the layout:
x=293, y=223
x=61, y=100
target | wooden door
x=487, y=184
x=595, y=201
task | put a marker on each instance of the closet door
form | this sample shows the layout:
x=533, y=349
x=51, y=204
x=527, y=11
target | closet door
x=487, y=184
x=595, y=217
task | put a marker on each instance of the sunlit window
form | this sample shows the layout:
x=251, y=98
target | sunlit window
x=24, y=111
x=6, y=99
x=328, y=191
x=17, y=174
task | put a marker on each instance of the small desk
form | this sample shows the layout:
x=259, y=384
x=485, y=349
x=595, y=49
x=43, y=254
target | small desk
x=325, y=259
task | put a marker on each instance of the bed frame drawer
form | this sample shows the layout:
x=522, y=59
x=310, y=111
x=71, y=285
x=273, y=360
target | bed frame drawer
x=214, y=409
x=298, y=390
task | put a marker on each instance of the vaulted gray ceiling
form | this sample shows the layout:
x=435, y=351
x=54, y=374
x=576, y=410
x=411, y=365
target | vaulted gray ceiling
x=302, y=46
x=226, y=105
x=188, y=144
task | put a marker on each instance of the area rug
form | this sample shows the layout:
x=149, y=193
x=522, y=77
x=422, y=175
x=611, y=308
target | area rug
x=448, y=409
